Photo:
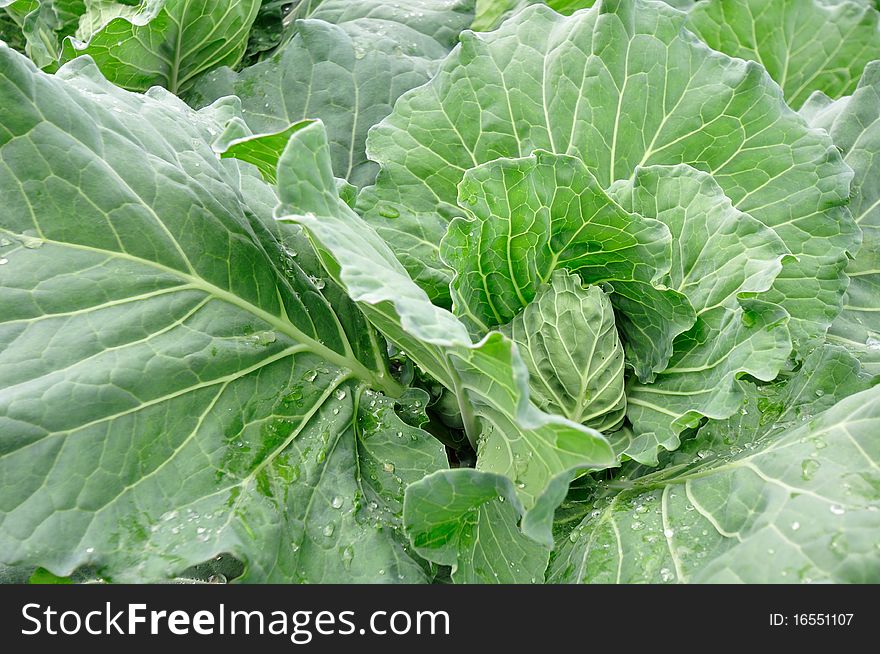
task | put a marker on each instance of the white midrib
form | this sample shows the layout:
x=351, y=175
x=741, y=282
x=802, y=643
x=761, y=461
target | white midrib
x=379, y=381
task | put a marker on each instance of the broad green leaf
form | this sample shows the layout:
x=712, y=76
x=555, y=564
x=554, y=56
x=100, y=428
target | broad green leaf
x=43, y=24
x=260, y=150
x=527, y=217
x=346, y=69
x=721, y=258
x=432, y=17
x=489, y=378
x=267, y=32
x=468, y=520
x=175, y=383
x=490, y=13
x=100, y=12
x=780, y=493
x=10, y=32
x=168, y=44
x=570, y=345
x=805, y=45
x=621, y=85
x=568, y=7
x=854, y=125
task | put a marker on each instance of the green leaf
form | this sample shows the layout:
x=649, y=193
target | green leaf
x=100, y=12
x=780, y=493
x=568, y=7
x=721, y=259
x=10, y=32
x=43, y=24
x=530, y=216
x=468, y=520
x=489, y=378
x=570, y=345
x=42, y=576
x=168, y=43
x=175, y=380
x=260, y=150
x=490, y=13
x=267, y=31
x=347, y=69
x=621, y=85
x=854, y=125
x=431, y=17
x=805, y=45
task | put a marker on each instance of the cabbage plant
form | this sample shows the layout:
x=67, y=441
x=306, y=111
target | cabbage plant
x=440, y=291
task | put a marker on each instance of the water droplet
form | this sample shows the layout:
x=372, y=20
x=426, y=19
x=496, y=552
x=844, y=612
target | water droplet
x=636, y=525
x=838, y=544
x=4, y=242
x=89, y=550
x=872, y=343
x=328, y=530
x=337, y=502
x=795, y=526
x=666, y=575
x=819, y=392
x=339, y=394
x=262, y=338
x=217, y=579
x=347, y=555
x=836, y=509
x=669, y=533
x=387, y=211
x=809, y=468
x=4, y=261
x=31, y=242
x=388, y=467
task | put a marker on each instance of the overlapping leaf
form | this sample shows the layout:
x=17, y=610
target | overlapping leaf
x=43, y=24
x=854, y=125
x=722, y=260
x=781, y=492
x=805, y=45
x=489, y=379
x=468, y=520
x=620, y=86
x=347, y=64
x=530, y=216
x=174, y=384
x=570, y=344
x=167, y=43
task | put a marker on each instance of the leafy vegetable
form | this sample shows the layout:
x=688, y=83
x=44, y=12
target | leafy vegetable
x=164, y=42
x=347, y=64
x=854, y=127
x=770, y=495
x=332, y=291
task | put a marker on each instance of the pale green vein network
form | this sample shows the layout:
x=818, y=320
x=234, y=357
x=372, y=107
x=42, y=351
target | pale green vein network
x=211, y=403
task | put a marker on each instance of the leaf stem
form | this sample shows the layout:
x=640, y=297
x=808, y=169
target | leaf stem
x=468, y=417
